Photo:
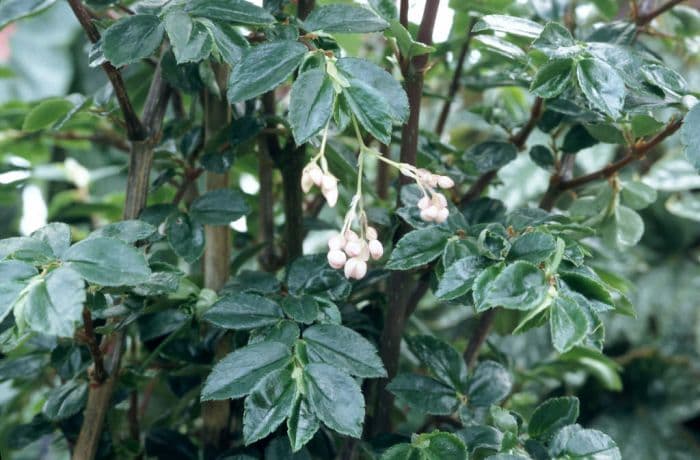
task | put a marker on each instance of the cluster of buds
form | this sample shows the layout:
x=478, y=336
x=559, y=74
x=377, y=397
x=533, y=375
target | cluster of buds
x=433, y=204
x=327, y=182
x=352, y=252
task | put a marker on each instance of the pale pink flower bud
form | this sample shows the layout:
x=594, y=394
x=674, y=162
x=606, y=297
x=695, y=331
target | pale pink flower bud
x=336, y=258
x=360, y=270
x=336, y=242
x=350, y=268
x=376, y=250
x=423, y=202
x=439, y=200
x=442, y=215
x=429, y=214
x=371, y=233
x=432, y=180
x=351, y=236
x=445, y=182
x=423, y=174
x=353, y=248
x=405, y=171
x=316, y=174
x=364, y=252
x=331, y=195
x=329, y=182
x=306, y=182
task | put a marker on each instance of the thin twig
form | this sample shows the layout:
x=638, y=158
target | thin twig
x=478, y=337
x=644, y=19
x=99, y=373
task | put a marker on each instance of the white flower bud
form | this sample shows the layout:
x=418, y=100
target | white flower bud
x=336, y=258
x=371, y=233
x=336, y=242
x=350, y=268
x=376, y=250
x=689, y=101
x=439, y=200
x=329, y=182
x=442, y=215
x=351, y=236
x=429, y=214
x=316, y=174
x=331, y=195
x=445, y=182
x=360, y=270
x=432, y=180
x=364, y=252
x=306, y=182
x=423, y=202
x=161, y=228
x=353, y=248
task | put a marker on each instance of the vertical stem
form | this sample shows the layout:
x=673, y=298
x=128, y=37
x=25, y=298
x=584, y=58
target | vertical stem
x=217, y=255
x=266, y=208
x=383, y=173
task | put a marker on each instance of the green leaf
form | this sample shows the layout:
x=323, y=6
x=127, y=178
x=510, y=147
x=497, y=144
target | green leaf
x=429, y=446
x=132, y=38
x=552, y=78
x=237, y=374
x=284, y=331
x=344, y=18
x=480, y=437
x=385, y=8
x=602, y=85
x=609, y=8
x=425, y=394
x=66, y=400
x=666, y=79
x=417, y=248
x=335, y=398
x=47, y=114
x=12, y=10
x=500, y=46
x=552, y=415
x=574, y=442
x=508, y=24
x=389, y=90
x=237, y=11
x=343, y=348
x=268, y=405
x=262, y=68
x=190, y=40
x=459, y=277
x=302, y=309
x=185, y=236
x=604, y=369
x=520, y=286
x=370, y=109
x=637, y=195
x=482, y=285
x=644, y=125
x=56, y=235
x=442, y=360
x=556, y=42
x=408, y=47
x=219, y=207
x=568, y=324
x=690, y=136
x=15, y=276
x=302, y=424
x=491, y=155
x=310, y=104
x=489, y=384
x=533, y=247
x=53, y=304
x=128, y=231
x=243, y=311
x=624, y=228
x=108, y=262
x=26, y=248
x=312, y=275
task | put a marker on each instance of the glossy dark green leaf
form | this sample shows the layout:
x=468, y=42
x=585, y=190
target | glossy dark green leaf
x=303, y=309
x=605, y=132
x=185, y=236
x=588, y=284
x=132, y=38
x=644, y=125
x=417, y=248
x=370, y=109
x=604, y=369
x=344, y=18
x=270, y=403
x=520, y=286
x=534, y=247
x=56, y=234
x=108, y=262
x=66, y=400
x=568, y=323
x=666, y=79
x=489, y=384
x=491, y=155
x=237, y=374
x=551, y=416
x=408, y=47
x=577, y=139
x=262, y=68
x=228, y=43
x=429, y=446
x=480, y=437
x=508, y=24
x=575, y=442
x=237, y=11
x=443, y=360
x=53, y=304
x=15, y=276
x=343, y=348
x=482, y=285
x=459, y=277
x=690, y=136
x=302, y=424
x=128, y=231
x=33, y=250
x=310, y=104
x=11, y=10
x=312, y=275
x=389, y=89
x=284, y=331
x=243, y=311
x=556, y=41
x=602, y=85
x=219, y=207
x=190, y=40
x=552, y=78
x=335, y=398
x=46, y=114
x=425, y=394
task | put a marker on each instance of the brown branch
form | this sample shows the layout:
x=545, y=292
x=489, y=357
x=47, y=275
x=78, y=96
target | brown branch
x=134, y=128
x=454, y=84
x=98, y=371
x=403, y=13
x=383, y=173
x=479, y=336
x=644, y=19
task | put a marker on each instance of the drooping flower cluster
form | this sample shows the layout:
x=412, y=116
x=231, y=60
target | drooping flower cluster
x=351, y=252
x=327, y=182
x=433, y=204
